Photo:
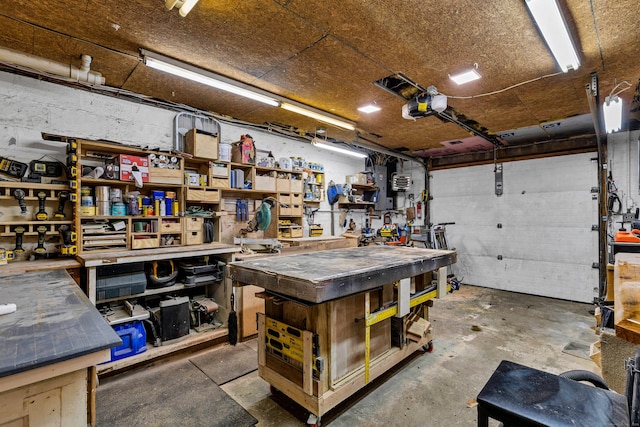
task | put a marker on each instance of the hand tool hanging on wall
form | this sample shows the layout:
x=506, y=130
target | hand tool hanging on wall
x=19, y=230
x=63, y=196
x=67, y=248
x=40, y=249
x=41, y=215
x=19, y=194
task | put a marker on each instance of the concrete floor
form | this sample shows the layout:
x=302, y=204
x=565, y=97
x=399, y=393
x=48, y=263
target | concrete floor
x=474, y=329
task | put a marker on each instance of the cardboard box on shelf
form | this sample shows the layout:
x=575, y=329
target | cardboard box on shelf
x=128, y=164
x=358, y=179
x=243, y=151
x=202, y=145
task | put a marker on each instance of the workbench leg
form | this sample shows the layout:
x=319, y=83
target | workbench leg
x=91, y=284
x=442, y=282
x=307, y=366
x=262, y=347
x=367, y=337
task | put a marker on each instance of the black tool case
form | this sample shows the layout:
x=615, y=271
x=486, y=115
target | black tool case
x=195, y=273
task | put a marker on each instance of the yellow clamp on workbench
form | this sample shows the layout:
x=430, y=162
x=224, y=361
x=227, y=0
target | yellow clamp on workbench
x=285, y=340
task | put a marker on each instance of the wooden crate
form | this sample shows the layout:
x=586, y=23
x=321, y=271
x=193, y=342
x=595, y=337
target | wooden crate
x=195, y=195
x=264, y=183
x=201, y=145
x=220, y=183
x=165, y=176
x=296, y=186
x=211, y=195
x=283, y=185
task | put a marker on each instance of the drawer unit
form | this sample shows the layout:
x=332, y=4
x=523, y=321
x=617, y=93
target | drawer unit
x=193, y=237
x=195, y=195
x=170, y=226
x=193, y=223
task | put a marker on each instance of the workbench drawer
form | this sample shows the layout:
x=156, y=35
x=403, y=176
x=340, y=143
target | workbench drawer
x=194, y=238
x=195, y=195
x=144, y=242
x=285, y=199
x=170, y=226
x=193, y=223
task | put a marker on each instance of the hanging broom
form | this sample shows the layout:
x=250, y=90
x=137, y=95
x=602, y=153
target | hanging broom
x=232, y=323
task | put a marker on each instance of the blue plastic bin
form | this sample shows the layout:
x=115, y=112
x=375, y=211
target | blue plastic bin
x=134, y=340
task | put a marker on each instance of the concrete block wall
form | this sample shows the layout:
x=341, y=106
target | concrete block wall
x=29, y=107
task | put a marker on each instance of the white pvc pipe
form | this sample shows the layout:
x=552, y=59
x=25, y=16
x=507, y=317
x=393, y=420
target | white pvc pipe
x=83, y=74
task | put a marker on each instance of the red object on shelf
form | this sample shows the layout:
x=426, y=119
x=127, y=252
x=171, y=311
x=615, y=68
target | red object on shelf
x=632, y=236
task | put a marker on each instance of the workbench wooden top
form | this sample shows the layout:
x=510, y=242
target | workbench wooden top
x=54, y=322
x=93, y=259
x=317, y=277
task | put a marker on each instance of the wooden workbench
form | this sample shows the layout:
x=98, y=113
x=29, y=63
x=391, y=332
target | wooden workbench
x=47, y=345
x=335, y=320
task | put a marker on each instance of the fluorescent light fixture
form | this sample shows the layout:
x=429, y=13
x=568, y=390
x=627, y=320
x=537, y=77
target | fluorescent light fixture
x=547, y=15
x=465, y=77
x=199, y=75
x=184, y=6
x=332, y=147
x=318, y=116
x=369, y=108
x=171, y=66
x=612, y=111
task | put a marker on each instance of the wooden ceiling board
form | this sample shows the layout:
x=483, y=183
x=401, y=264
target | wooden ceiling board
x=328, y=54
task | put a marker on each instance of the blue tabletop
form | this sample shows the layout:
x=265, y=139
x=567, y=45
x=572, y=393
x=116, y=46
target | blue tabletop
x=54, y=321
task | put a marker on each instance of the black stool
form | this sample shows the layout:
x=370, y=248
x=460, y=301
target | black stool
x=521, y=396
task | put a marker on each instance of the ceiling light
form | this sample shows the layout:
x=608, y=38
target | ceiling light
x=169, y=65
x=547, y=15
x=184, y=6
x=199, y=75
x=465, y=77
x=612, y=111
x=369, y=108
x=332, y=147
x=321, y=116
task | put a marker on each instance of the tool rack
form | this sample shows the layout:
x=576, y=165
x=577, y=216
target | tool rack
x=12, y=215
x=335, y=320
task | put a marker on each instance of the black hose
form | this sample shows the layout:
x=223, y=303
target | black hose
x=583, y=375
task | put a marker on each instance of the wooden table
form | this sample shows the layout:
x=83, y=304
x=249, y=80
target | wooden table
x=47, y=345
x=335, y=320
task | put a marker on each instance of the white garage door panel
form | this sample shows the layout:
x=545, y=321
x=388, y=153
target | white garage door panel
x=546, y=212
x=529, y=277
